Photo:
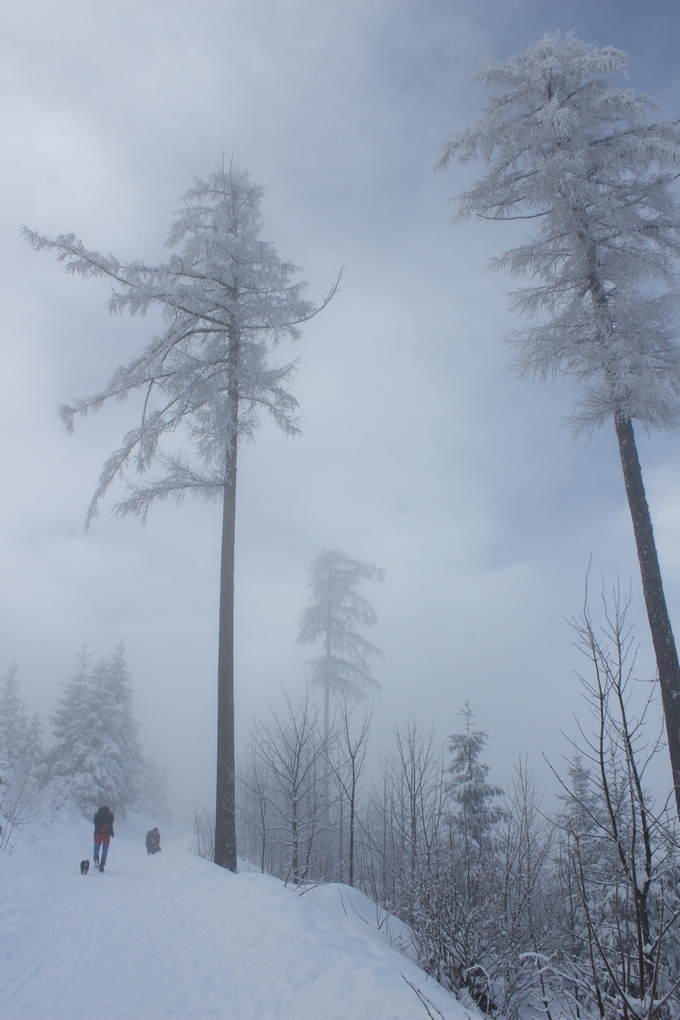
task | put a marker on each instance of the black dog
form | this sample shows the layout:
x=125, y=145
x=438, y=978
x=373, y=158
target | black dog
x=84, y=867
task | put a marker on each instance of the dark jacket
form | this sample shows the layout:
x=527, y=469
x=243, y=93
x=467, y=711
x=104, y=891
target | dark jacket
x=103, y=821
x=153, y=841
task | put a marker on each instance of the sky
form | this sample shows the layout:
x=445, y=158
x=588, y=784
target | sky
x=422, y=451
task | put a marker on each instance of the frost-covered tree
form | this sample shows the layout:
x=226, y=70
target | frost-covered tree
x=618, y=851
x=582, y=808
x=347, y=761
x=69, y=760
x=97, y=757
x=21, y=775
x=226, y=297
x=581, y=160
x=332, y=619
x=20, y=737
x=471, y=795
x=408, y=813
x=120, y=732
x=291, y=756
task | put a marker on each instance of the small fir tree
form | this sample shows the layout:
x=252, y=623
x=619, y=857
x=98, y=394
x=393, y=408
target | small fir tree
x=468, y=790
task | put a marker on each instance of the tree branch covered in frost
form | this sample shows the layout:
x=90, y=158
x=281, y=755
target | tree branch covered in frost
x=291, y=754
x=424, y=1001
x=179, y=479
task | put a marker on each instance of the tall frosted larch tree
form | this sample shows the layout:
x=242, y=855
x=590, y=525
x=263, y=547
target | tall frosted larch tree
x=581, y=161
x=227, y=298
x=331, y=619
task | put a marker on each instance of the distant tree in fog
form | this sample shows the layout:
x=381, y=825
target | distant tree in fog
x=332, y=620
x=21, y=774
x=153, y=791
x=580, y=159
x=20, y=737
x=226, y=299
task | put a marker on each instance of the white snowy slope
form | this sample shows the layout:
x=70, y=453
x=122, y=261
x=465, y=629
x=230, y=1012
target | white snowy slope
x=173, y=936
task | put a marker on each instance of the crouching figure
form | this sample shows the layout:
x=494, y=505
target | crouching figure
x=153, y=841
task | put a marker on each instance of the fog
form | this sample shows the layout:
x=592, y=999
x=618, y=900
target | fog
x=422, y=452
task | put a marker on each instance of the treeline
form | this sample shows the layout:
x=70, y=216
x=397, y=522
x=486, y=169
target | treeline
x=95, y=756
x=571, y=913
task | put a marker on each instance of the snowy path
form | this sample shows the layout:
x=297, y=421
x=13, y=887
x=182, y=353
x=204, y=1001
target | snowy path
x=172, y=937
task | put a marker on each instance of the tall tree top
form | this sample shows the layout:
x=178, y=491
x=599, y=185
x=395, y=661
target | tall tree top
x=333, y=577
x=580, y=159
x=335, y=612
x=226, y=297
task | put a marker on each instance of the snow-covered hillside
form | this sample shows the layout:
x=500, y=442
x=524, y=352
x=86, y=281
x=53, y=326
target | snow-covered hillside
x=173, y=937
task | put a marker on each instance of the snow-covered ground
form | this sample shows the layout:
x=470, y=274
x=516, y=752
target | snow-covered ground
x=173, y=937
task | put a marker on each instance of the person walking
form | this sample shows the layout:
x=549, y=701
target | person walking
x=103, y=831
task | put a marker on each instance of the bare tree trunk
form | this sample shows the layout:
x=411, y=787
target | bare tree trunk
x=327, y=681
x=296, y=839
x=652, y=585
x=655, y=600
x=325, y=778
x=225, y=809
x=352, y=819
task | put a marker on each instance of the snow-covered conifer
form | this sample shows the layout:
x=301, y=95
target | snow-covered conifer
x=581, y=161
x=97, y=757
x=21, y=778
x=468, y=788
x=67, y=758
x=227, y=298
x=582, y=806
x=20, y=737
x=120, y=750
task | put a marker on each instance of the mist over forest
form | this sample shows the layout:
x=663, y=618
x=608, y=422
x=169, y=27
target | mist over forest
x=341, y=397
